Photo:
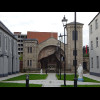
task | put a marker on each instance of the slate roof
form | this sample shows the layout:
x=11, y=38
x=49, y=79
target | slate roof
x=2, y=26
x=72, y=23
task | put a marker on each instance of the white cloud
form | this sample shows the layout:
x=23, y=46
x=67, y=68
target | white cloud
x=45, y=21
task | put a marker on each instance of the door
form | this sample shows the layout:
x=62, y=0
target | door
x=85, y=65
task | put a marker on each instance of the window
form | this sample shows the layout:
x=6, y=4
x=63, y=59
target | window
x=5, y=43
x=18, y=36
x=19, y=45
x=91, y=29
x=96, y=41
x=91, y=45
x=97, y=61
x=19, y=49
x=10, y=45
x=73, y=35
x=29, y=49
x=29, y=63
x=96, y=24
x=74, y=52
x=18, y=40
x=91, y=62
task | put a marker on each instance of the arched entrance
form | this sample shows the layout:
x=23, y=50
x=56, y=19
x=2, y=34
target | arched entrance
x=49, y=59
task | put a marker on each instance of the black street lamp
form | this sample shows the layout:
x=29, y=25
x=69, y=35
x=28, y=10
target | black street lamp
x=60, y=37
x=64, y=21
x=75, y=78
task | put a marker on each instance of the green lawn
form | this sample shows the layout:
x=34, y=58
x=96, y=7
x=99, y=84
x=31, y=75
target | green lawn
x=31, y=77
x=71, y=78
x=18, y=85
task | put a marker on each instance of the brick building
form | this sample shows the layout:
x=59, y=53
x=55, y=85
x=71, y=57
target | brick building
x=41, y=36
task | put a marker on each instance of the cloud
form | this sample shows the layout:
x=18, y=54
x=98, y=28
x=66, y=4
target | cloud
x=45, y=21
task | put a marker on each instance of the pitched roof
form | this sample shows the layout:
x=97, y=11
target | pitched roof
x=72, y=23
x=2, y=26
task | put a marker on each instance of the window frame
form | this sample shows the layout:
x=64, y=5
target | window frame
x=6, y=43
x=30, y=49
x=97, y=42
x=91, y=45
x=10, y=45
x=96, y=24
x=91, y=29
x=97, y=61
x=91, y=62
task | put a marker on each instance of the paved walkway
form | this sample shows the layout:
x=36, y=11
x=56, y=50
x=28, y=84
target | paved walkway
x=10, y=76
x=92, y=77
x=52, y=81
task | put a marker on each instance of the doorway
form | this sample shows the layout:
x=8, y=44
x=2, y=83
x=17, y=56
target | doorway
x=50, y=64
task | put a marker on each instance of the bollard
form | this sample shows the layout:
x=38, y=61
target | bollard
x=27, y=80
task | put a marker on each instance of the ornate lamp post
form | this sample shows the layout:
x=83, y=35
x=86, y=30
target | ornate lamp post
x=64, y=21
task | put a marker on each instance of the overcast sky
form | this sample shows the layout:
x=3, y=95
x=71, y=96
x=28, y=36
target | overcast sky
x=45, y=21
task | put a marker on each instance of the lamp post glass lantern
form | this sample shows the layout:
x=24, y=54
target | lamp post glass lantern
x=64, y=21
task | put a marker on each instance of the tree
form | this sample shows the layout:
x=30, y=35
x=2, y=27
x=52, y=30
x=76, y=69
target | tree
x=21, y=57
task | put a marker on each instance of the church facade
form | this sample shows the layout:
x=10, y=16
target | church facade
x=46, y=55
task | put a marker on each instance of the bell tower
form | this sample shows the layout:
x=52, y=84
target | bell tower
x=70, y=45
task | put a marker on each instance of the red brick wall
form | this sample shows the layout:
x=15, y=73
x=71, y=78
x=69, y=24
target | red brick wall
x=41, y=36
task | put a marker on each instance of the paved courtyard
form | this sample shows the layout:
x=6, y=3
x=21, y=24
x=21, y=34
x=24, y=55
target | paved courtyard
x=52, y=81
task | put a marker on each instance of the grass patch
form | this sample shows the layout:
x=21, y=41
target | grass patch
x=31, y=77
x=18, y=85
x=71, y=78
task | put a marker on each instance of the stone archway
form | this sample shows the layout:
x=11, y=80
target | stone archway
x=48, y=50
x=49, y=59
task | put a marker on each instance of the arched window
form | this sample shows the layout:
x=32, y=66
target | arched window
x=73, y=35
